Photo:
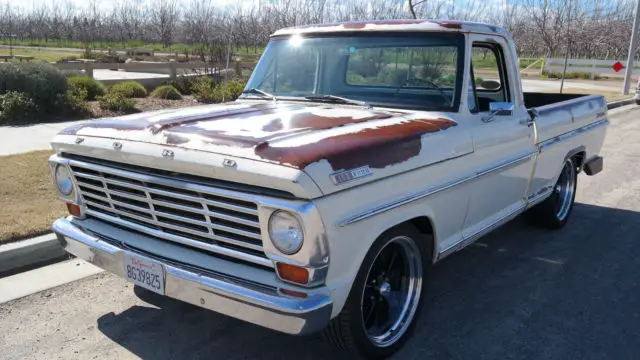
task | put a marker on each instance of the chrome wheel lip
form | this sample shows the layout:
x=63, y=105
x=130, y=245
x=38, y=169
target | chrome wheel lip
x=411, y=299
x=565, y=189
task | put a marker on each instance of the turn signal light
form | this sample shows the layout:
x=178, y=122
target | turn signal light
x=73, y=209
x=293, y=293
x=293, y=273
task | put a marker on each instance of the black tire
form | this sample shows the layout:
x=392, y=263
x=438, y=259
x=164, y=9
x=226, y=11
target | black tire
x=554, y=211
x=637, y=102
x=347, y=331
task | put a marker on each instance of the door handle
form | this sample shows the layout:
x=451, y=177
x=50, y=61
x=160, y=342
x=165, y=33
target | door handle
x=527, y=122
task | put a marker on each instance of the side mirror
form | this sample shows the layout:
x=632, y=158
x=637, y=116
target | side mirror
x=490, y=85
x=498, y=109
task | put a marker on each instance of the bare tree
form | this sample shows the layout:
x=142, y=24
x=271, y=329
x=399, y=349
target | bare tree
x=164, y=18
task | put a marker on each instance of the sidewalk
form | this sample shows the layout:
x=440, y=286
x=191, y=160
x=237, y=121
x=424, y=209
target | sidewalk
x=21, y=139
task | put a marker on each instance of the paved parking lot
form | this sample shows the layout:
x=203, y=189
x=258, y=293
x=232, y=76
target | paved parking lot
x=519, y=293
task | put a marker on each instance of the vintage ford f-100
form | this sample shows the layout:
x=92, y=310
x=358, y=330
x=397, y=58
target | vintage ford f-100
x=358, y=155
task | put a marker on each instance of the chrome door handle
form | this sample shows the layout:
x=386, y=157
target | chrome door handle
x=527, y=122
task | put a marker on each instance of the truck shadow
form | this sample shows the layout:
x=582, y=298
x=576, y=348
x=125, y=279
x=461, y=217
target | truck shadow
x=519, y=292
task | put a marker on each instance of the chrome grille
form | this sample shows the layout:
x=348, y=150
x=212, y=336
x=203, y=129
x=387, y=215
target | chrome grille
x=216, y=220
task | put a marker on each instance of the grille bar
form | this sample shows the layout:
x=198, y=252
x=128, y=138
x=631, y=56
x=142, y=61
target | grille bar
x=216, y=220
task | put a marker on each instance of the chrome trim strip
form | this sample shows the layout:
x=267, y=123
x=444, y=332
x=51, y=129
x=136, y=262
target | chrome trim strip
x=571, y=134
x=434, y=190
x=478, y=234
x=232, y=296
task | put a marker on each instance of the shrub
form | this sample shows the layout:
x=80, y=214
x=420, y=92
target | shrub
x=167, y=92
x=186, y=84
x=74, y=102
x=129, y=89
x=207, y=93
x=91, y=87
x=40, y=82
x=117, y=102
x=16, y=107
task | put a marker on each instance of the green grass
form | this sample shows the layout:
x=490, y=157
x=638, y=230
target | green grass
x=38, y=55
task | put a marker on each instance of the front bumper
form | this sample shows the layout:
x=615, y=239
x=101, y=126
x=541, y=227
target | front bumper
x=224, y=294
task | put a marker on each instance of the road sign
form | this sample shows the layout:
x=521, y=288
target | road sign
x=617, y=66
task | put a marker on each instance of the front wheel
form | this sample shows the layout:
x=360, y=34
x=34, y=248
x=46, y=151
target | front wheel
x=554, y=211
x=386, y=297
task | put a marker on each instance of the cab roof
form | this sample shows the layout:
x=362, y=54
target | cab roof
x=396, y=25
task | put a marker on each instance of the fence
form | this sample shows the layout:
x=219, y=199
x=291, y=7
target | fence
x=592, y=66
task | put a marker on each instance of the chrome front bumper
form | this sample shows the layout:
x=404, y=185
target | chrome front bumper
x=224, y=294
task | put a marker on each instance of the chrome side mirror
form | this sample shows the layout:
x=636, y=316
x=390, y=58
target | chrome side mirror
x=498, y=109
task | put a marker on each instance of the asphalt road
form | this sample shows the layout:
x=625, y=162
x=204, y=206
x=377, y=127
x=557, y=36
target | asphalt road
x=519, y=293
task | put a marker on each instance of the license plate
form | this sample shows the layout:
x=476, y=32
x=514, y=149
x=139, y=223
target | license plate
x=144, y=272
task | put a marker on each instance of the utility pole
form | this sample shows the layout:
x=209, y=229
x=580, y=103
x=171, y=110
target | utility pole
x=10, y=30
x=566, y=54
x=632, y=51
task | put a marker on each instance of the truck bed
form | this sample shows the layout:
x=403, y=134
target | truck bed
x=535, y=99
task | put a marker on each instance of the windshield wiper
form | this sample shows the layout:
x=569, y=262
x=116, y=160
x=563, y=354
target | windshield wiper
x=338, y=99
x=260, y=92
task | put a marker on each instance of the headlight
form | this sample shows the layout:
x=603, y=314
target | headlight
x=285, y=232
x=63, y=180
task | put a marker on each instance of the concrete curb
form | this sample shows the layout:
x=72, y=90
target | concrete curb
x=30, y=252
x=619, y=103
x=45, y=248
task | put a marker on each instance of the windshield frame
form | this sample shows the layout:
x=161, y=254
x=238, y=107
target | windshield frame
x=458, y=40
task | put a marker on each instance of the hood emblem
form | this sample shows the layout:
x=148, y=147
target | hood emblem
x=117, y=145
x=345, y=176
x=229, y=163
x=167, y=153
x=79, y=140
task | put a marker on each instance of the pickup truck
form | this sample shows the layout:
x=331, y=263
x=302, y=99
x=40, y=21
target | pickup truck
x=358, y=155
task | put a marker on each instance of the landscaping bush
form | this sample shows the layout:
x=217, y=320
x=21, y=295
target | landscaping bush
x=74, y=102
x=206, y=92
x=91, y=87
x=167, y=92
x=186, y=84
x=129, y=89
x=16, y=107
x=569, y=75
x=117, y=102
x=40, y=82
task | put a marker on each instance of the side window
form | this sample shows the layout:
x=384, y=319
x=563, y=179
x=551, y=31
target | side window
x=489, y=74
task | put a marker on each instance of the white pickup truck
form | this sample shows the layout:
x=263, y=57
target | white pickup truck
x=359, y=155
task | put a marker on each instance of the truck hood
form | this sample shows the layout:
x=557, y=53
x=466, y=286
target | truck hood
x=321, y=140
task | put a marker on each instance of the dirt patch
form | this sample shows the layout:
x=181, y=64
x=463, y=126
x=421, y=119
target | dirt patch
x=28, y=199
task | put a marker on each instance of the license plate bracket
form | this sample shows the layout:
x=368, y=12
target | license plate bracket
x=144, y=272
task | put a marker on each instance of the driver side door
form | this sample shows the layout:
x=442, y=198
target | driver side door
x=504, y=149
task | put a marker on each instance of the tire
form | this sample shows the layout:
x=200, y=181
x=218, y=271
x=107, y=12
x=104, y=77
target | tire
x=348, y=332
x=554, y=211
x=637, y=101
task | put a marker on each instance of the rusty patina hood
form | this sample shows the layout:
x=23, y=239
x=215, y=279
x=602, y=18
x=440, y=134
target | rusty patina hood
x=316, y=138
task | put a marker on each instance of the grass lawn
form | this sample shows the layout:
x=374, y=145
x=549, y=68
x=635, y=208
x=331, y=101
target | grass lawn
x=50, y=56
x=28, y=199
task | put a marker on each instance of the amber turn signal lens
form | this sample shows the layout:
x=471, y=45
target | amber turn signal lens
x=73, y=209
x=293, y=273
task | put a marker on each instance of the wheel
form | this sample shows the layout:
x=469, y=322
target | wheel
x=553, y=212
x=637, y=101
x=385, y=300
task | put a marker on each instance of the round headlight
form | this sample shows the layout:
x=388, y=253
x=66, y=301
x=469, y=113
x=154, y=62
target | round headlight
x=63, y=180
x=285, y=232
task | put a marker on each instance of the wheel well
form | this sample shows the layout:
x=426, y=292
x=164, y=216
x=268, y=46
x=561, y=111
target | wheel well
x=424, y=226
x=578, y=159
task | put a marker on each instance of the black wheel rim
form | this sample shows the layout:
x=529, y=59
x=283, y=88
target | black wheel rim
x=392, y=291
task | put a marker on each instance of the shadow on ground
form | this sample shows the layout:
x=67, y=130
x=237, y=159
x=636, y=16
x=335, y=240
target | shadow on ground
x=520, y=292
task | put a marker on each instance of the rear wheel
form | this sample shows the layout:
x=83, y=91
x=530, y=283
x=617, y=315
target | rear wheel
x=385, y=300
x=554, y=211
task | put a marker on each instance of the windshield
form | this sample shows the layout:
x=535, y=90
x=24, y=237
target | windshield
x=396, y=70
